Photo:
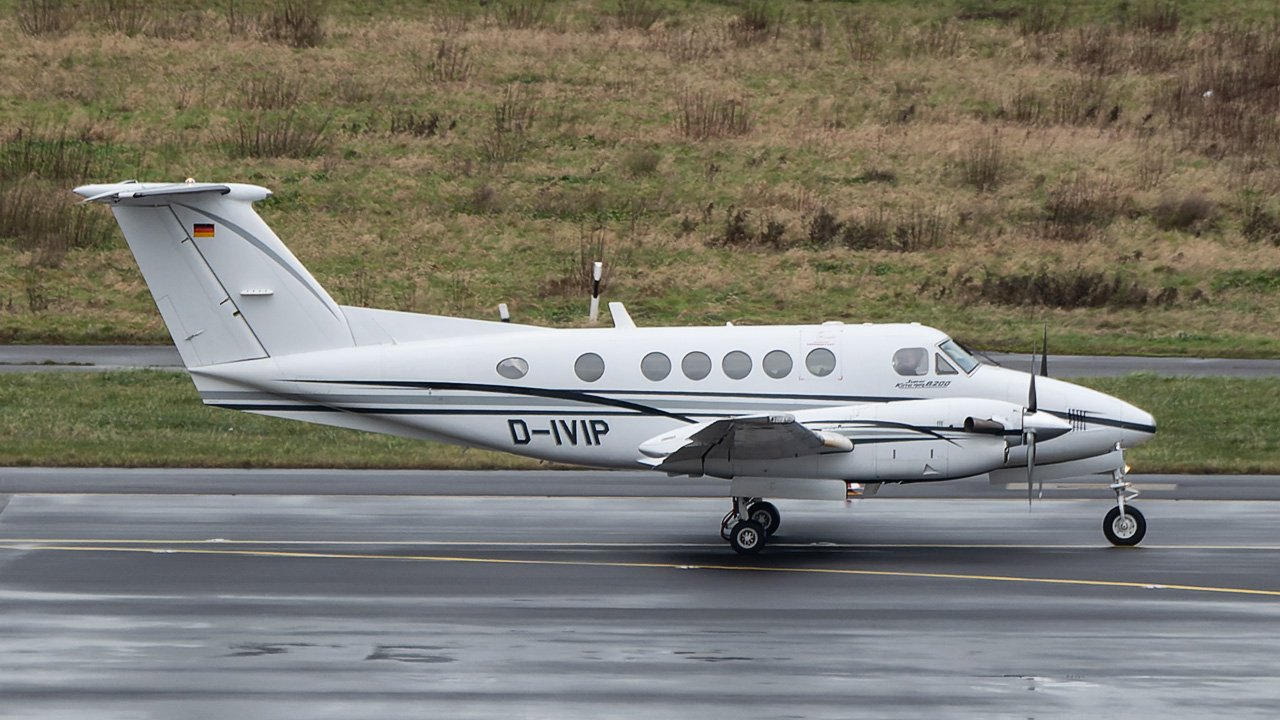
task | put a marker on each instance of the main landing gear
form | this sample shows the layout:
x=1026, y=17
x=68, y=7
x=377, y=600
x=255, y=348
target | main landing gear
x=1124, y=525
x=749, y=524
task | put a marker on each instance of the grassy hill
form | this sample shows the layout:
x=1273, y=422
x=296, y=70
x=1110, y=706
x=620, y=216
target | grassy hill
x=1108, y=168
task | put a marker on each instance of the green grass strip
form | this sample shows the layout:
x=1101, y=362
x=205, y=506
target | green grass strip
x=148, y=418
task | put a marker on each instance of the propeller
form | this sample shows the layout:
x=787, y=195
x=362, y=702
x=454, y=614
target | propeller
x=1029, y=433
x=1044, y=356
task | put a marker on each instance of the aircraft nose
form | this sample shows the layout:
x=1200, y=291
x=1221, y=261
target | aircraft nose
x=1139, y=425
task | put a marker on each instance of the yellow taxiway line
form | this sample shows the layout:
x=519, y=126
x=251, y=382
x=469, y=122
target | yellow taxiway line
x=123, y=548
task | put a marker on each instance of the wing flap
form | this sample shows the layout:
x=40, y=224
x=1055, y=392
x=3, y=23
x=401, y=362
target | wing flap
x=748, y=437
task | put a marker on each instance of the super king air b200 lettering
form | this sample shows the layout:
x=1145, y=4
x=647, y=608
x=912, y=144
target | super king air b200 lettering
x=803, y=411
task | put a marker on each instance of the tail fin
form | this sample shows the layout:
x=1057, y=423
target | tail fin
x=226, y=286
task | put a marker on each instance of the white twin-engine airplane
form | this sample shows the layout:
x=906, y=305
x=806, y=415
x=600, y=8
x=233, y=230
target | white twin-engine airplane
x=827, y=411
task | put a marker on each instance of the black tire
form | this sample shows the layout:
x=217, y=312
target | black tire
x=747, y=537
x=767, y=515
x=1125, y=532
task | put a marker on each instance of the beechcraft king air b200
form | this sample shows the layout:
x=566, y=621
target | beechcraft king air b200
x=803, y=411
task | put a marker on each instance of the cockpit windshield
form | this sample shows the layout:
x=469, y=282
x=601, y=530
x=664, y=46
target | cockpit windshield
x=961, y=356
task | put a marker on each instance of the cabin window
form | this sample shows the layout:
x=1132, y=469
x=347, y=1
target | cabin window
x=589, y=367
x=777, y=364
x=961, y=356
x=513, y=368
x=736, y=365
x=911, y=361
x=942, y=367
x=821, y=362
x=696, y=365
x=656, y=366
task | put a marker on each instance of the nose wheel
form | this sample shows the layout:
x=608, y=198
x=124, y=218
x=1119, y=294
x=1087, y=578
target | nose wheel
x=1124, y=525
x=749, y=524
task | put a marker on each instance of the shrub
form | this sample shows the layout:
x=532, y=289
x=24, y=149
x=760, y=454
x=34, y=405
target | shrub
x=273, y=134
x=823, y=229
x=1077, y=209
x=702, y=115
x=1062, y=289
x=637, y=14
x=513, y=116
x=46, y=17
x=297, y=23
x=1191, y=211
x=641, y=162
x=1260, y=224
x=983, y=165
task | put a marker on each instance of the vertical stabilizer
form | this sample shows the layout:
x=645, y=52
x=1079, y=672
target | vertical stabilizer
x=226, y=286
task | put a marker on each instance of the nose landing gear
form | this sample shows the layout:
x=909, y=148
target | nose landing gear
x=1124, y=526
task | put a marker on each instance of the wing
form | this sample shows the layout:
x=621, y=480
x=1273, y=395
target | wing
x=749, y=437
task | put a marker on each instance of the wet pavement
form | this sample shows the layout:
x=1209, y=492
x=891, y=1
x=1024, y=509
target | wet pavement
x=126, y=601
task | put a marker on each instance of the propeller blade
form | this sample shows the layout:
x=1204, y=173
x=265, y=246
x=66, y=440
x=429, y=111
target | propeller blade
x=1031, y=463
x=1031, y=396
x=1044, y=353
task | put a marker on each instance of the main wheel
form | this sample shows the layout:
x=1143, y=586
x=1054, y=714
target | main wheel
x=747, y=537
x=767, y=515
x=1124, y=530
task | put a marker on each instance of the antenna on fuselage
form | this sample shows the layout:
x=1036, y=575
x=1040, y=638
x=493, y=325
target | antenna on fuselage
x=597, y=269
x=503, y=313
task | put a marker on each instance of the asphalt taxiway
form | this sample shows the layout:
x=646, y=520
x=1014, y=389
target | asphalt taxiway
x=562, y=595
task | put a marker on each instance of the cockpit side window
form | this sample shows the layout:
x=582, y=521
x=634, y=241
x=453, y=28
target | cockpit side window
x=959, y=355
x=942, y=367
x=911, y=361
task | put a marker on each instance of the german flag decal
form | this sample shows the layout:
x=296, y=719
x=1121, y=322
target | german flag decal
x=202, y=230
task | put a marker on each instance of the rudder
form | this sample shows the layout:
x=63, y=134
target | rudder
x=226, y=286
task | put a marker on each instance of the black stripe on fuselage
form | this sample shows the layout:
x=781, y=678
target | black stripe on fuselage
x=1108, y=422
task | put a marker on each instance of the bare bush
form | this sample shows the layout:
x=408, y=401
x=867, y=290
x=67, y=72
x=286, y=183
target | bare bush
x=638, y=14
x=862, y=38
x=688, y=45
x=275, y=134
x=37, y=218
x=1095, y=49
x=1042, y=19
x=522, y=14
x=450, y=62
x=757, y=22
x=579, y=274
x=983, y=164
x=407, y=122
x=506, y=138
x=1226, y=103
x=297, y=23
x=934, y=39
x=1076, y=288
x=1025, y=106
x=46, y=17
x=701, y=115
x=1079, y=101
x=63, y=159
x=271, y=91
x=1078, y=209
x=641, y=162
x=1159, y=17
x=911, y=230
x=1259, y=222
x=1192, y=212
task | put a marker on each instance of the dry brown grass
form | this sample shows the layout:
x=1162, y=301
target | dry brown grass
x=483, y=140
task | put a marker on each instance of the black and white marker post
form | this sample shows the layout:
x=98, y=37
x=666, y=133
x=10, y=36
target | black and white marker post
x=596, y=270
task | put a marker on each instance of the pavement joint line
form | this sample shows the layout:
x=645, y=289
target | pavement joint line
x=39, y=543
x=673, y=566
